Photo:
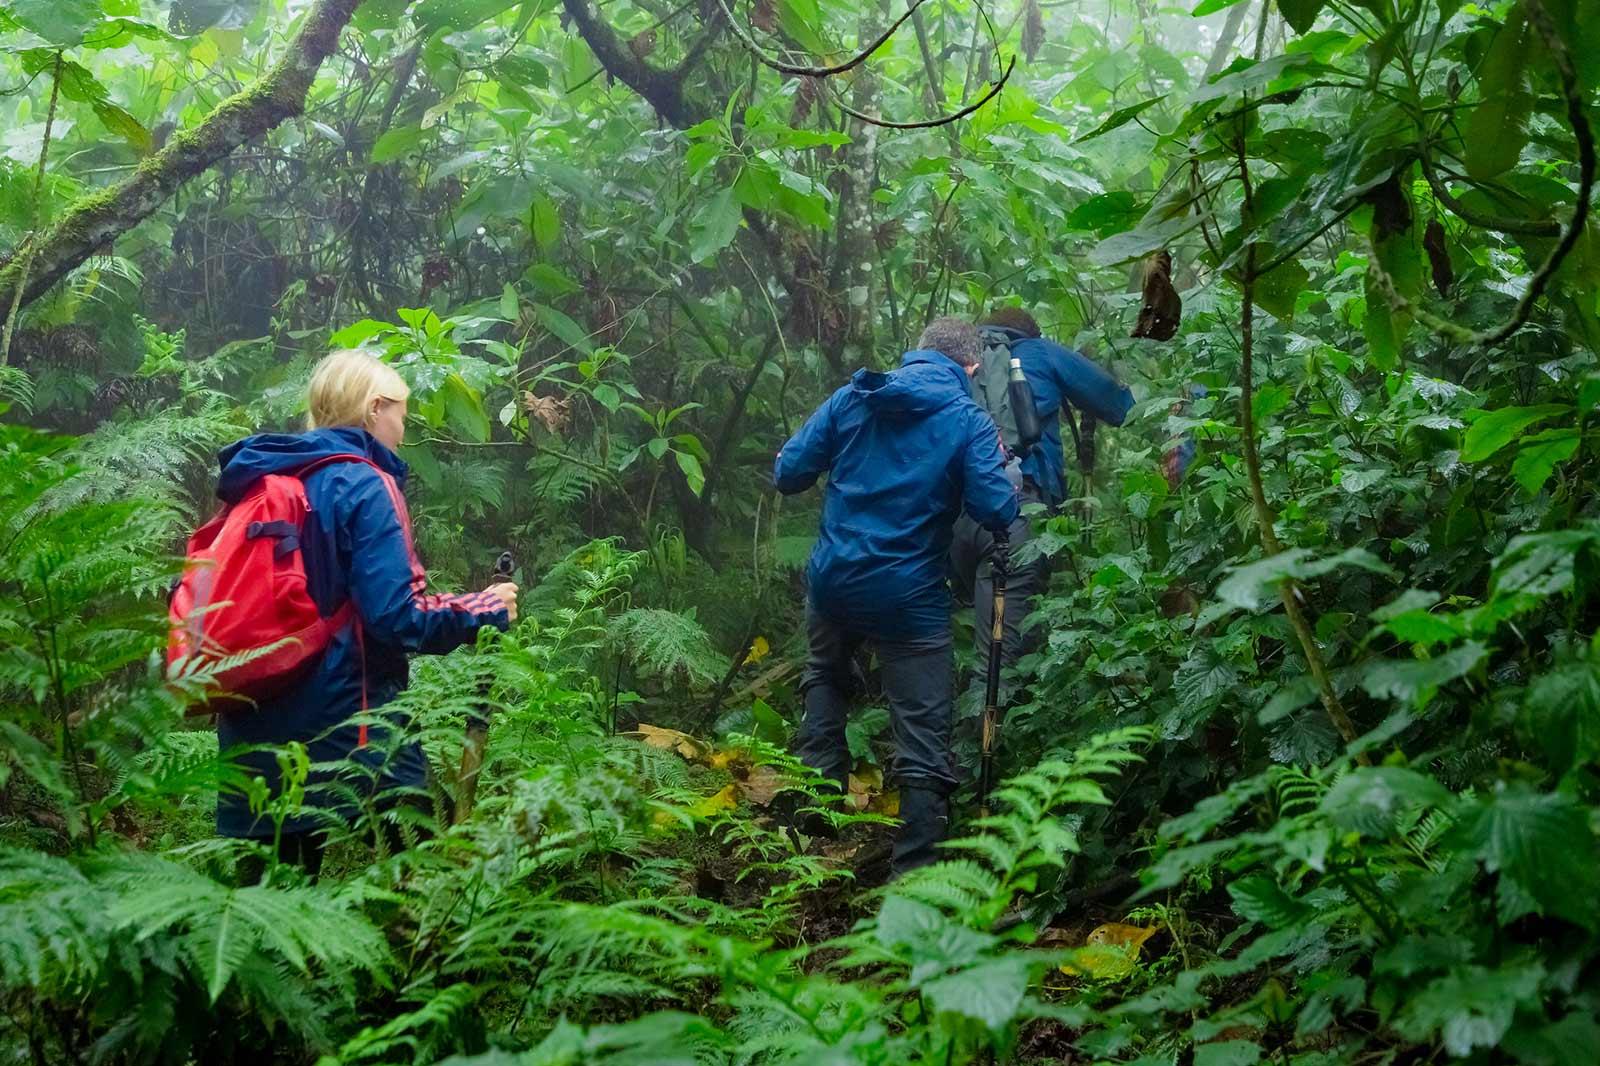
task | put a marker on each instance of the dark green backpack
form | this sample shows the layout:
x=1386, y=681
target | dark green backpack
x=991, y=388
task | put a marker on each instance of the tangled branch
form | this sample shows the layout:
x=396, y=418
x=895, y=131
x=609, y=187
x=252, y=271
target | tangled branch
x=945, y=120
x=781, y=67
x=1584, y=135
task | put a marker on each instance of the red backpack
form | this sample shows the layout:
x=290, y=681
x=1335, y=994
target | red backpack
x=244, y=590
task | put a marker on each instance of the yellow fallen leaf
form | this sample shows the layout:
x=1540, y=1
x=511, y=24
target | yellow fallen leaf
x=727, y=758
x=863, y=786
x=670, y=740
x=725, y=800
x=1110, y=952
x=1121, y=935
x=759, y=649
x=1103, y=962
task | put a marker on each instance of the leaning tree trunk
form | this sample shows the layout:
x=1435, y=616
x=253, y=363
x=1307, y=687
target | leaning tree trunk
x=97, y=218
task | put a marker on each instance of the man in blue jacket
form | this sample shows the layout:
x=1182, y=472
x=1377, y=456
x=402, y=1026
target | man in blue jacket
x=904, y=451
x=1059, y=377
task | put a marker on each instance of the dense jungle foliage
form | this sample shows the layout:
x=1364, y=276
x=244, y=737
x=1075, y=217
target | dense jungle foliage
x=1311, y=740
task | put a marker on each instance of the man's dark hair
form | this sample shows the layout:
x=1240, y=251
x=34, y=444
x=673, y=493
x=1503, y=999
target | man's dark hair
x=1012, y=318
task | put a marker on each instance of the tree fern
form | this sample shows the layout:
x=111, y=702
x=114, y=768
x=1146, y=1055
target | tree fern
x=669, y=644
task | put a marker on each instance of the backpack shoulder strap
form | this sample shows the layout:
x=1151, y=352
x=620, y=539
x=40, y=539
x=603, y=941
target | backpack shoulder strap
x=303, y=472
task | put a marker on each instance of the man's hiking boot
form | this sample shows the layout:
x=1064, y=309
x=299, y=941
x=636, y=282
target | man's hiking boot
x=924, y=815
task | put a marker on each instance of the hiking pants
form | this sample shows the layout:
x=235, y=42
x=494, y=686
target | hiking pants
x=919, y=682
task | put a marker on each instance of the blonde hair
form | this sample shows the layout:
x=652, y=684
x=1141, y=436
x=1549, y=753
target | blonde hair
x=345, y=383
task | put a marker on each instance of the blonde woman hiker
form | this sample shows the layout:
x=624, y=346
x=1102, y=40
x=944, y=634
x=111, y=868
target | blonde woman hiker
x=362, y=574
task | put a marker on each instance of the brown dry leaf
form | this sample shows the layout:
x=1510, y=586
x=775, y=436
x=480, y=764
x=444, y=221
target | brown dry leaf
x=762, y=784
x=1444, y=272
x=1162, y=308
x=863, y=786
x=1391, y=208
x=670, y=740
x=553, y=413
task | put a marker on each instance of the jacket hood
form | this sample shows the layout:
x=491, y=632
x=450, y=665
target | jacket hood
x=247, y=461
x=927, y=381
x=1001, y=334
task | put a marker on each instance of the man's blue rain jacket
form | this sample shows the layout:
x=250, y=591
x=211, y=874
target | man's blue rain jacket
x=357, y=545
x=1058, y=374
x=903, y=452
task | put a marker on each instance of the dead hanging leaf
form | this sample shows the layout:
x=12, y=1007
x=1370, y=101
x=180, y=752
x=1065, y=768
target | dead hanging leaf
x=765, y=16
x=670, y=740
x=1444, y=274
x=1162, y=308
x=759, y=649
x=1391, y=208
x=1032, y=30
x=553, y=413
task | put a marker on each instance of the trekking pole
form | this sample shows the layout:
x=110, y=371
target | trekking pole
x=998, y=567
x=478, y=722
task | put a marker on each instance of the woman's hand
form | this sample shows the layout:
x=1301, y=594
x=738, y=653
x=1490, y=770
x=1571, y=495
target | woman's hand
x=506, y=593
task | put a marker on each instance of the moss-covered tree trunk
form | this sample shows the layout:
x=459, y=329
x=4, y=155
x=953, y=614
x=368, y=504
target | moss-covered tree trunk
x=98, y=218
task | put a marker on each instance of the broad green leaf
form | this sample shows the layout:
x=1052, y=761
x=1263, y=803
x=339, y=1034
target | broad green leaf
x=989, y=993
x=1369, y=799
x=1561, y=714
x=714, y=226
x=1121, y=247
x=1417, y=680
x=551, y=279
x=464, y=407
x=1276, y=291
x=564, y=327
x=457, y=15
x=1541, y=841
x=1247, y=587
x=1539, y=455
x=395, y=144
x=1301, y=14
x=1121, y=117
x=544, y=222
x=693, y=473
x=1260, y=898
x=1107, y=213
x=1227, y=1053
x=1470, y=1008
x=1497, y=128
x=1493, y=430
x=63, y=22
x=1211, y=7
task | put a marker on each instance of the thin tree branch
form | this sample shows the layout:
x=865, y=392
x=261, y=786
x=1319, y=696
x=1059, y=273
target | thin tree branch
x=97, y=218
